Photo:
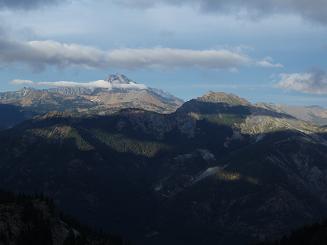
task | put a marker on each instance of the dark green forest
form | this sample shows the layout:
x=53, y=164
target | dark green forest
x=26, y=220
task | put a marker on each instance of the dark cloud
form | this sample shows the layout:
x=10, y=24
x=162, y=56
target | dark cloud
x=26, y=4
x=308, y=9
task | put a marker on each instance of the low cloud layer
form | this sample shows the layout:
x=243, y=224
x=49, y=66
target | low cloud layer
x=70, y=84
x=311, y=82
x=308, y=9
x=40, y=54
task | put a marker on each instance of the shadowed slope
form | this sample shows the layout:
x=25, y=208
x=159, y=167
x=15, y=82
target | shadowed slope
x=212, y=172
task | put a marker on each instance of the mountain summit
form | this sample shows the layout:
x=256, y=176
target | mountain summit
x=120, y=81
x=119, y=78
x=220, y=97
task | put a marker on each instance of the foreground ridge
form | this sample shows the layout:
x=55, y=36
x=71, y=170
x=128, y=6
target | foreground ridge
x=231, y=170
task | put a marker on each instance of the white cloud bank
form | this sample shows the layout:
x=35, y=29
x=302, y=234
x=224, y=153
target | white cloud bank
x=70, y=84
x=311, y=82
x=40, y=54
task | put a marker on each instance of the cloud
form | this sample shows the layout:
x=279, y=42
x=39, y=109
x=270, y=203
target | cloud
x=308, y=9
x=268, y=62
x=92, y=84
x=26, y=4
x=311, y=82
x=174, y=58
x=40, y=54
x=22, y=82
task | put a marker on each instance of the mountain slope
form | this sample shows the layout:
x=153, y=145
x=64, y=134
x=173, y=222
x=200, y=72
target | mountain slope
x=217, y=171
x=313, y=114
x=35, y=221
x=314, y=234
x=11, y=115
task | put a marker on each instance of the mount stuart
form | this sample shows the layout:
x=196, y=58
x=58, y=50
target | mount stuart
x=141, y=163
x=116, y=93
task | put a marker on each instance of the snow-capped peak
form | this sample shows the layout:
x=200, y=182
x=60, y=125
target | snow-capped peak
x=119, y=78
x=119, y=81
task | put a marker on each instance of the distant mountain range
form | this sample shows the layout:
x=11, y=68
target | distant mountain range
x=119, y=93
x=313, y=114
x=218, y=170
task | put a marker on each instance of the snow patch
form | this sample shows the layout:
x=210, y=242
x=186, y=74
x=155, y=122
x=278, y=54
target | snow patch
x=207, y=155
x=207, y=173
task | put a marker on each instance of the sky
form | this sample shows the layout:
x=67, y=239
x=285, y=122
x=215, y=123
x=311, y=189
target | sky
x=263, y=50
